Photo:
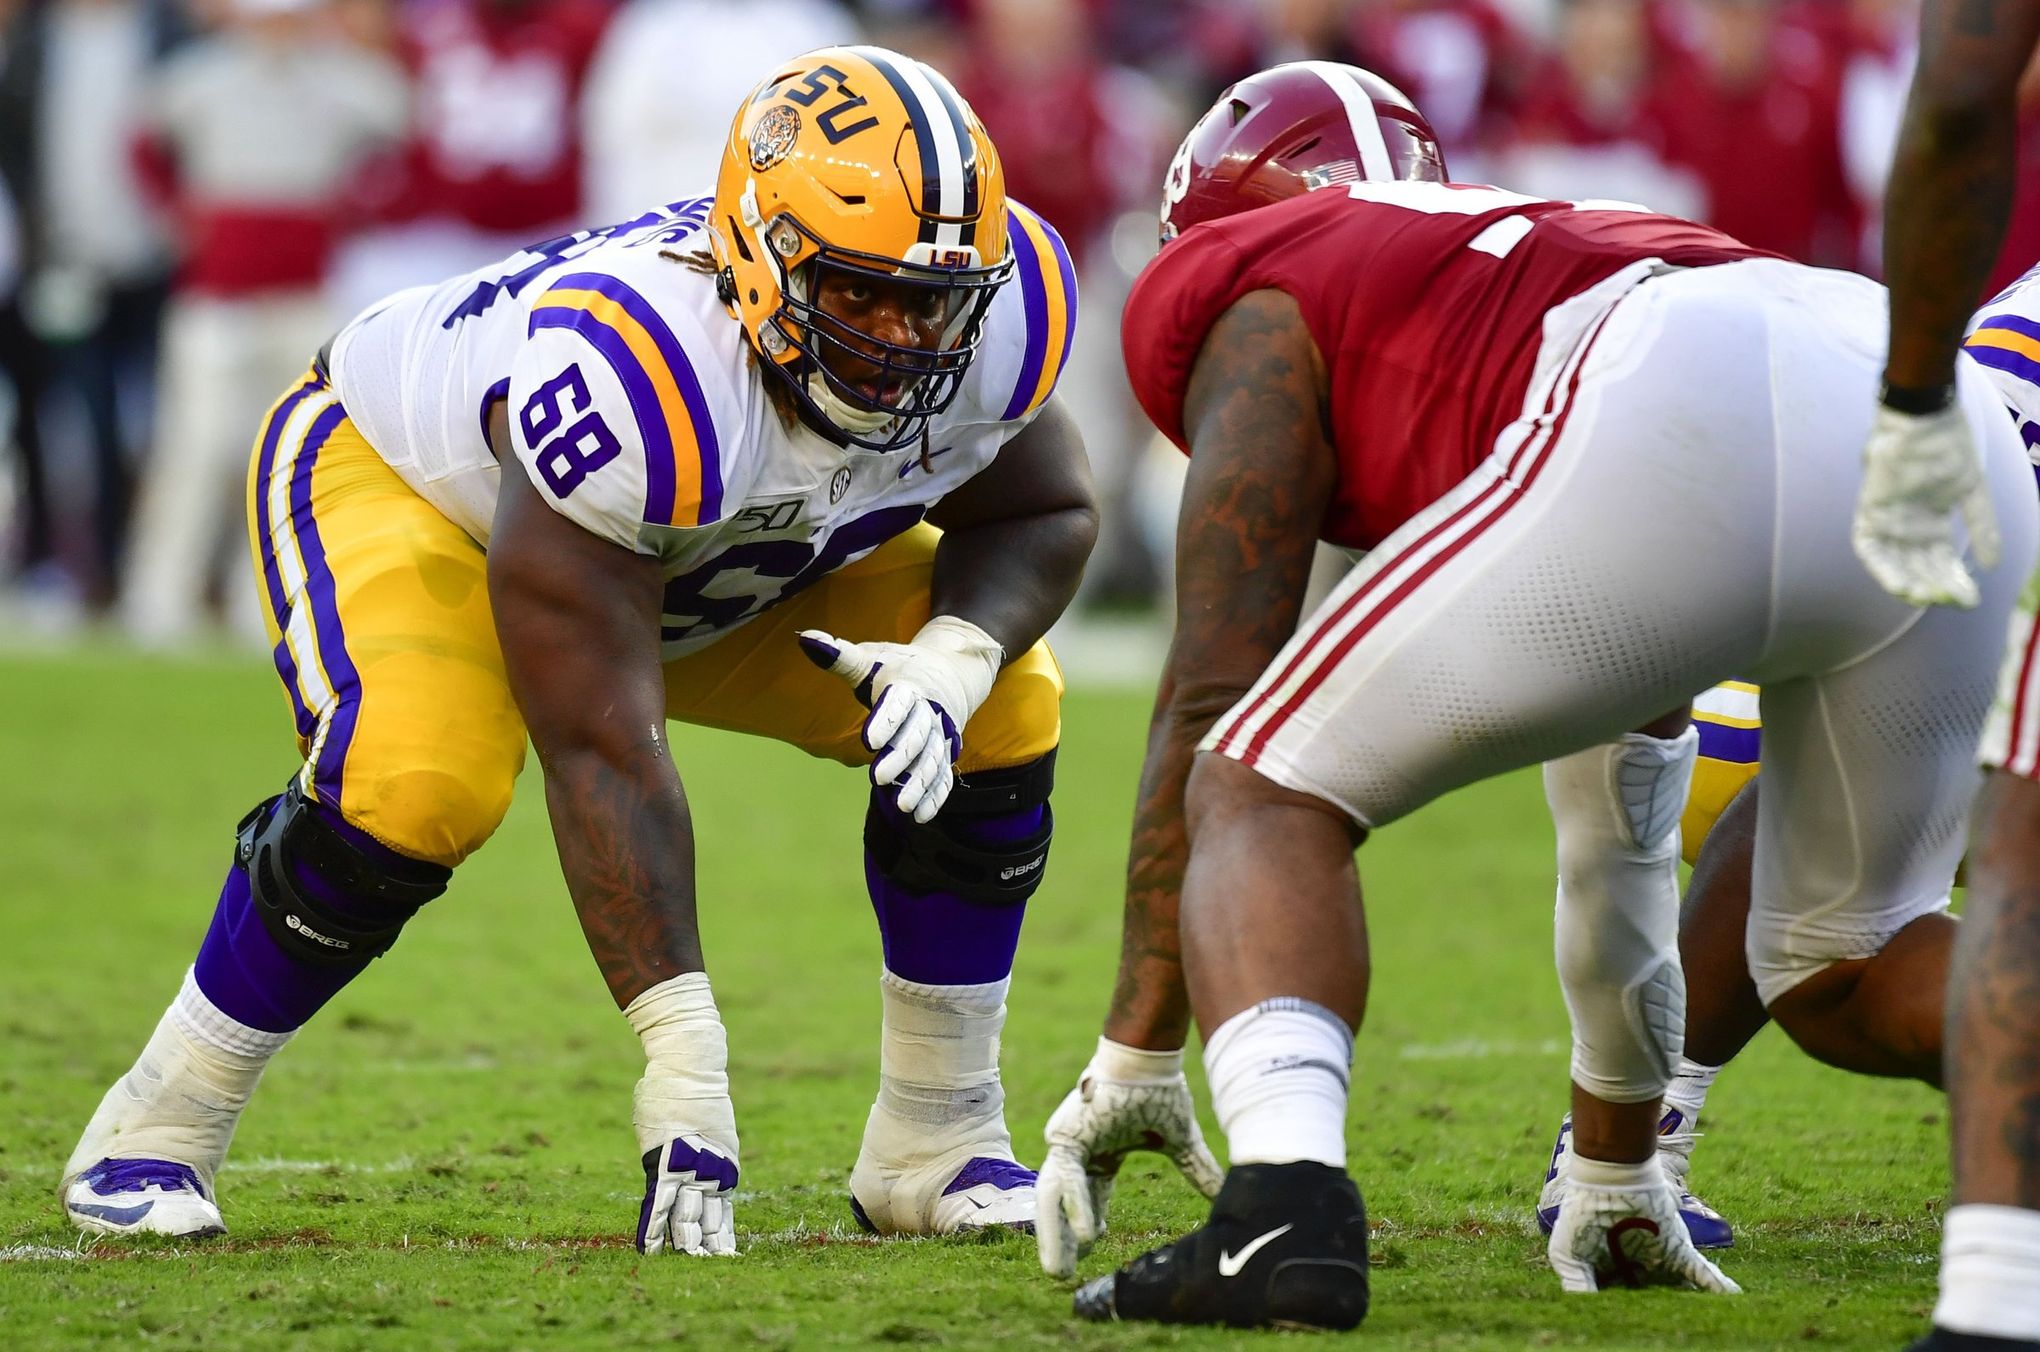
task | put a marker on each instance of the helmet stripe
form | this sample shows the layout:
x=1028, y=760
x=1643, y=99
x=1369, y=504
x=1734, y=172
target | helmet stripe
x=953, y=105
x=938, y=137
x=1375, y=164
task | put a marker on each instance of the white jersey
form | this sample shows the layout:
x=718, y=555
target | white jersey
x=640, y=414
x=2004, y=338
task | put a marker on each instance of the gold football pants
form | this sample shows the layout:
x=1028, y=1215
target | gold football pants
x=378, y=613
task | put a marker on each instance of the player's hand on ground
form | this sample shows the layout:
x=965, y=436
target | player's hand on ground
x=1620, y=1226
x=1126, y=1100
x=687, y=1130
x=690, y=1186
x=1919, y=471
x=921, y=694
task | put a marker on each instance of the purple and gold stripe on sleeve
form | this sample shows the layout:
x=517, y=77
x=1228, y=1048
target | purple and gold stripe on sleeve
x=683, y=465
x=2008, y=343
x=1048, y=292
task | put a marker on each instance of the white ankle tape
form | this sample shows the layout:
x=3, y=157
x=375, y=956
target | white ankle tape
x=938, y=1056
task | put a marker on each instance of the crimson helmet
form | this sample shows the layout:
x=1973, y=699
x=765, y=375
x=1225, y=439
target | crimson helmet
x=1290, y=129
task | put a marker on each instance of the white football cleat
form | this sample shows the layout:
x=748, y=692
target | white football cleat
x=142, y=1197
x=146, y=1162
x=1619, y=1225
x=943, y=1197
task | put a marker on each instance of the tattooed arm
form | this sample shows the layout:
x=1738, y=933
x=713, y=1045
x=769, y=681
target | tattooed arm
x=1261, y=474
x=578, y=618
x=1950, y=194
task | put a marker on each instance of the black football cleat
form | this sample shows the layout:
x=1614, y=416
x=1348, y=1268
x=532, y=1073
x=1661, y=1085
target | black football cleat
x=1947, y=1340
x=1286, y=1247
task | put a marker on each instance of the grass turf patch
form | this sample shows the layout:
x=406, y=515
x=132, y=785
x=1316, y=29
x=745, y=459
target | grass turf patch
x=444, y=1160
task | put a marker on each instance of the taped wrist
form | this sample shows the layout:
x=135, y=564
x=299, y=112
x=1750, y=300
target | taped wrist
x=686, y=1084
x=1122, y=1064
x=1616, y=809
x=977, y=658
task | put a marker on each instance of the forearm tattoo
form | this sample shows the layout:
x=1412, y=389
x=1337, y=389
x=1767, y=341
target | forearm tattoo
x=1261, y=473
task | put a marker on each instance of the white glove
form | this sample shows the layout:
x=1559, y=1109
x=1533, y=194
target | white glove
x=689, y=1184
x=1619, y=1226
x=1917, y=470
x=686, y=1126
x=920, y=695
x=1126, y=1100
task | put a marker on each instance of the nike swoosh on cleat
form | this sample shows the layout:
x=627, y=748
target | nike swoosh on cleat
x=118, y=1215
x=1229, y=1264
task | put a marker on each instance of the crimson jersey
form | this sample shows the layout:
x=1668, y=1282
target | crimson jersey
x=1427, y=302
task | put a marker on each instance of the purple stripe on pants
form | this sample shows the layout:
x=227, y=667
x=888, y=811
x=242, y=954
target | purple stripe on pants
x=272, y=578
x=320, y=596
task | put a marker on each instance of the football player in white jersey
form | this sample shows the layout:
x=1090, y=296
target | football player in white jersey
x=1723, y=1011
x=784, y=460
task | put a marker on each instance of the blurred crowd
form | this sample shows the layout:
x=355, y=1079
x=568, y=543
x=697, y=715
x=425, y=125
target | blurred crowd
x=195, y=193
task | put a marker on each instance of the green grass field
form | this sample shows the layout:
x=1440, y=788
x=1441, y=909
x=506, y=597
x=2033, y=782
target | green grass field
x=444, y=1160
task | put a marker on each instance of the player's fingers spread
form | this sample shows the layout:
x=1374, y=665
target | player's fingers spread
x=1703, y=1274
x=1080, y=1210
x=1198, y=1164
x=1054, y=1244
x=1098, y=1189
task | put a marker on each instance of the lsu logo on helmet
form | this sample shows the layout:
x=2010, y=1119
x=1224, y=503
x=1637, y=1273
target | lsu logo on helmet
x=861, y=161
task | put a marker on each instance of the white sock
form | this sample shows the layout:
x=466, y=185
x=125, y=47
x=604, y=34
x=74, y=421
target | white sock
x=938, y=1057
x=1688, y=1090
x=1279, y=1075
x=199, y=1019
x=1990, y=1272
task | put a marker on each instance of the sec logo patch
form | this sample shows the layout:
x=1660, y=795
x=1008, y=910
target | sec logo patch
x=839, y=485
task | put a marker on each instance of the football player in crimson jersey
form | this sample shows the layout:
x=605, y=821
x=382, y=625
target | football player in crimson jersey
x=1544, y=421
x=648, y=472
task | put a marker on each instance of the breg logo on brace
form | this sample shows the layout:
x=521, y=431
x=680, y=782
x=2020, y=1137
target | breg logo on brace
x=1007, y=875
x=302, y=928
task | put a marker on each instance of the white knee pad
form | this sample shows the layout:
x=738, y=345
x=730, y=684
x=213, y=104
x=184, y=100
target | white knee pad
x=1616, y=808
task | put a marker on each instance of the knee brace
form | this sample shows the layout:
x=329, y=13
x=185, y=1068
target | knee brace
x=973, y=848
x=323, y=897
x=1616, y=809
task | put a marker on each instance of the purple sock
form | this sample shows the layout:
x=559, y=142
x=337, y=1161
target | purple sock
x=938, y=938
x=248, y=974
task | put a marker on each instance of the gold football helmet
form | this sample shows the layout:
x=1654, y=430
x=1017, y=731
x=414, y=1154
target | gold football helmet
x=860, y=161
